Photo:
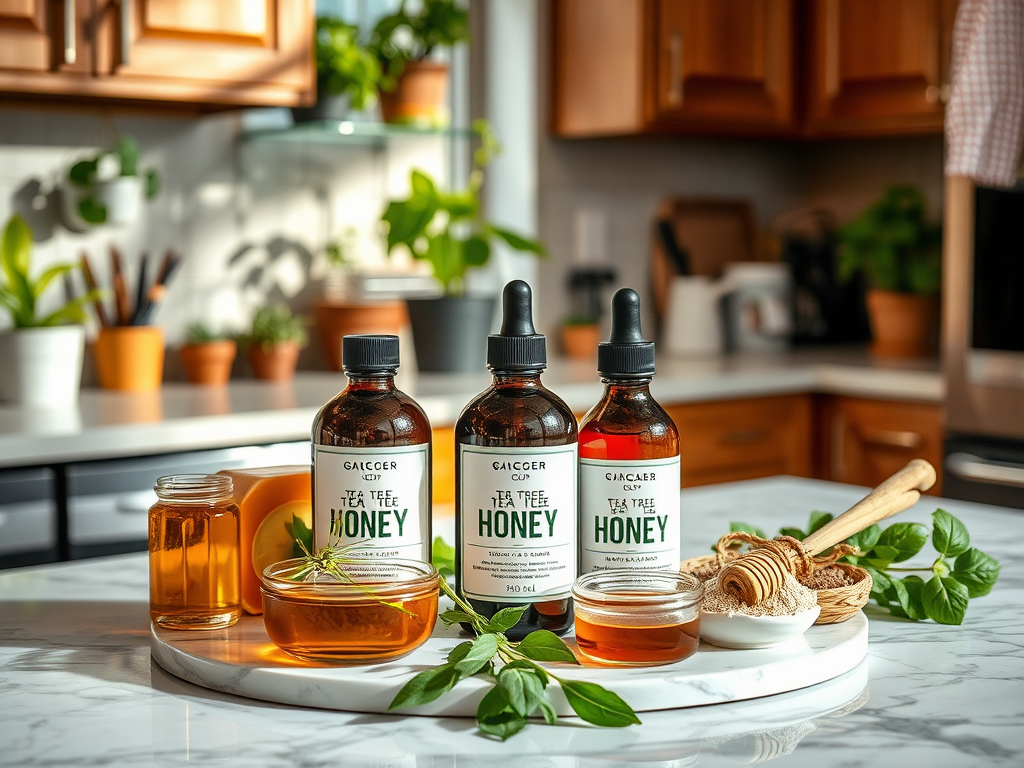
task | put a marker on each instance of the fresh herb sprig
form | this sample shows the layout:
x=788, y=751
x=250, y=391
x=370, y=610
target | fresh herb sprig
x=519, y=682
x=959, y=573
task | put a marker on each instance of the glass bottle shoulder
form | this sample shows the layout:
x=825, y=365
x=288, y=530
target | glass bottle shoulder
x=516, y=416
x=631, y=412
x=367, y=418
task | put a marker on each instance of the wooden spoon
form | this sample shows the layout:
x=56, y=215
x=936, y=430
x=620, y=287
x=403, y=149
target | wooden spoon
x=757, y=575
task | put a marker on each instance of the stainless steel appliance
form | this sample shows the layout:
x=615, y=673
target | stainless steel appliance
x=983, y=342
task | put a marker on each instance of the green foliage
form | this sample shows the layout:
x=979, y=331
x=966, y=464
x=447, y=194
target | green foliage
x=201, y=333
x=944, y=597
x=343, y=65
x=519, y=683
x=446, y=229
x=275, y=324
x=20, y=293
x=893, y=244
x=402, y=36
x=443, y=557
x=84, y=174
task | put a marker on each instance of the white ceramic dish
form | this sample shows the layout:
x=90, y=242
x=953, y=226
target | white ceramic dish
x=747, y=632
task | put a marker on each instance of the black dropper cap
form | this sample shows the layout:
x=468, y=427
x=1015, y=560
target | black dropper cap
x=518, y=347
x=625, y=355
x=369, y=353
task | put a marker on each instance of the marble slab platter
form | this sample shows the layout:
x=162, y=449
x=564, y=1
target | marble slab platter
x=241, y=660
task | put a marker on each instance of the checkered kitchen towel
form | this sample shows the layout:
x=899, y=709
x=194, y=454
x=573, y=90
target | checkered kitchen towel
x=985, y=115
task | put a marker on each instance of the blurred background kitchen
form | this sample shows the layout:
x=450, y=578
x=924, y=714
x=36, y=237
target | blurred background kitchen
x=819, y=201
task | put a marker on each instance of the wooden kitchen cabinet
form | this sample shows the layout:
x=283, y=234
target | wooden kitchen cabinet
x=633, y=66
x=878, y=66
x=224, y=53
x=743, y=439
x=864, y=441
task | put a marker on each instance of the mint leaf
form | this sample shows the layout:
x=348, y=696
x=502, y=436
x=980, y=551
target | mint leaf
x=426, y=687
x=542, y=645
x=945, y=600
x=478, y=656
x=949, y=535
x=496, y=717
x=443, y=557
x=879, y=581
x=914, y=586
x=523, y=689
x=458, y=653
x=866, y=539
x=529, y=665
x=505, y=619
x=597, y=705
x=976, y=571
x=452, y=616
x=818, y=520
x=796, y=533
x=735, y=527
x=550, y=716
x=906, y=538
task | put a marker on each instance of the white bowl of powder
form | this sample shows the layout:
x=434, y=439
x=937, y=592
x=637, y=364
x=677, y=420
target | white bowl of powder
x=728, y=623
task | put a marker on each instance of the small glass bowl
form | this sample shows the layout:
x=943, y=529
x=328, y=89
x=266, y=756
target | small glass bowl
x=386, y=609
x=637, y=618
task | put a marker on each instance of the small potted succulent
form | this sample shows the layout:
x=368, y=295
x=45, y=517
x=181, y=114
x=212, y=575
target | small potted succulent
x=347, y=73
x=274, y=342
x=900, y=253
x=40, y=355
x=108, y=188
x=413, y=84
x=207, y=355
x=447, y=231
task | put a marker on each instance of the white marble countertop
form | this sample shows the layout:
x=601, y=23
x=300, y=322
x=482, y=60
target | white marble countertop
x=80, y=688
x=180, y=417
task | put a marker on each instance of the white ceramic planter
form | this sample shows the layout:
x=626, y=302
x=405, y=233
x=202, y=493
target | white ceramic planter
x=42, y=367
x=122, y=197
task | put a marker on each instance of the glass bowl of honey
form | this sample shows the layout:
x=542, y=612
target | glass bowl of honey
x=368, y=611
x=637, y=618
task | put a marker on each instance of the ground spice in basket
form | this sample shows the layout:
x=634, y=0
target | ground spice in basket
x=792, y=599
x=830, y=578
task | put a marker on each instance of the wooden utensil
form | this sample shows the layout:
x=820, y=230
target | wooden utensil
x=759, y=574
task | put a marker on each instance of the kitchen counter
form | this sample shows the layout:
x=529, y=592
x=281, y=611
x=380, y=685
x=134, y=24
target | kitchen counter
x=181, y=417
x=80, y=687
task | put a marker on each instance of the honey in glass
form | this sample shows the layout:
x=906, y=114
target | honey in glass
x=193, y=553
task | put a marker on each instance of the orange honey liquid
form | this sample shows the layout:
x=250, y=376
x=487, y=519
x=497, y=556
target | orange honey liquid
x=353, y=630
x=637, y=645
x=193, y=565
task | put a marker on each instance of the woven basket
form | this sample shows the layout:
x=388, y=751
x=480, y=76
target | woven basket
x=842, y=603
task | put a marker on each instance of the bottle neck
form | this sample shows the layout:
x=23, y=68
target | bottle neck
x=511, y=379
x=627, y=389
x=377, y=381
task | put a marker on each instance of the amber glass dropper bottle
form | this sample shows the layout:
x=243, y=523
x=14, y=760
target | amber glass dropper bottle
x=516, y=483
x=371, y=459
x=629, y=458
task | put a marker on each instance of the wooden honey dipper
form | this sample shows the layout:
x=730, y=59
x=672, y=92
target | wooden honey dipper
x=759, y=574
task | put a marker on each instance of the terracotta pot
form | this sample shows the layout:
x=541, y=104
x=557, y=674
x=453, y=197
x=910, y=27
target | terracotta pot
x=209, y=363
x=339, y=320
x=130, y=358
x=419, y=96
x=580, y=341
x=276, y=363
x=902, y=324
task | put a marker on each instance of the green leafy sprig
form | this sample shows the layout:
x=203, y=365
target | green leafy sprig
x=959, y=573
x=519, y=682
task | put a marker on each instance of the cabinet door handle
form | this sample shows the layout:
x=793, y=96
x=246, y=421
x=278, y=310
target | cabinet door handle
x=971, y=467
x=126, y=31
x=70, y=50
x=675, y=68
x=745, y=436
x=892, y=437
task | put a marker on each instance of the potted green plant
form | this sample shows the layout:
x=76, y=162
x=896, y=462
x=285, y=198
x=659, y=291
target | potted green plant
x=108, y=188
x=900, y=253
x=413, y=85
x=273, y=343
x=347, y=73
x=207, y=355
x=40, y=355
x=447, y=231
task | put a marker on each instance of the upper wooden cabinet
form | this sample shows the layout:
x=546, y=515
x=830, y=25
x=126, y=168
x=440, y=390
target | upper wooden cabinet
x=878, y=66
x=225, y=53
x=763, y=67
x=629, y=66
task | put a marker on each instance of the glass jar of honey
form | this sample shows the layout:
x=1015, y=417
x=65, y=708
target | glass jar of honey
x=193, y=553
x=637, y=618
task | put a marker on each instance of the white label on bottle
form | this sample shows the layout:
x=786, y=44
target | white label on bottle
x=629, y=514
x=376, y=496
x=518, y=522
